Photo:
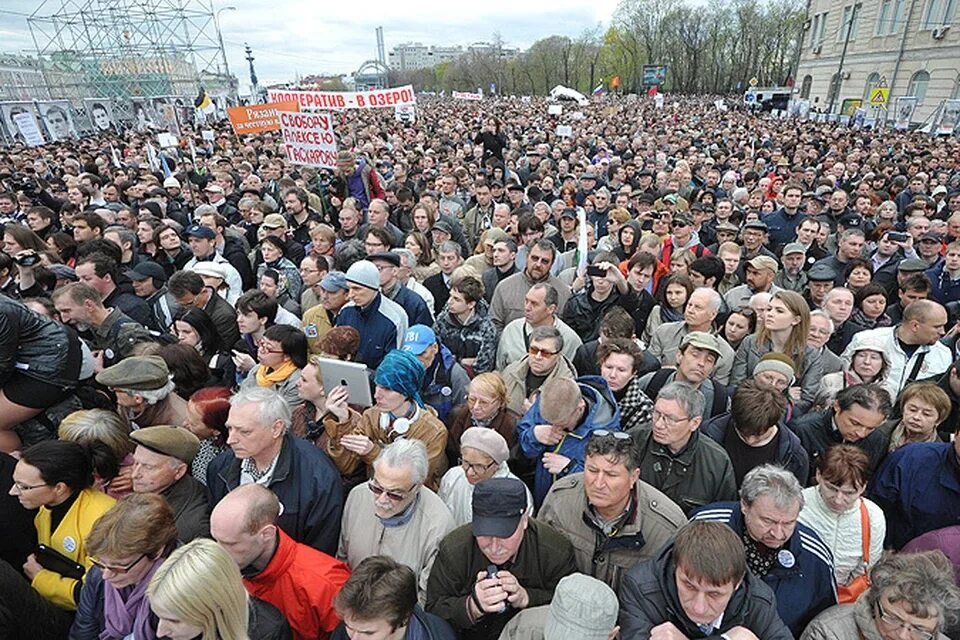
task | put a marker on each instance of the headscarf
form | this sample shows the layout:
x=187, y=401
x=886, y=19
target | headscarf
x=400, y=371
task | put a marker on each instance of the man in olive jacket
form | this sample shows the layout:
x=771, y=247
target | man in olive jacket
x=488, y=571
x=612, y=518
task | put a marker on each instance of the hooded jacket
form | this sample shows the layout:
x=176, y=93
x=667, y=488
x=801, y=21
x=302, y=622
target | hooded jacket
x=649, y=598
x=602, y=412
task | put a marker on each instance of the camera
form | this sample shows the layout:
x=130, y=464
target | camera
x=27, y=260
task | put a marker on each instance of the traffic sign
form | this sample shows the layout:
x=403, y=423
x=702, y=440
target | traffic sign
x=754, y=82
x=879, y=95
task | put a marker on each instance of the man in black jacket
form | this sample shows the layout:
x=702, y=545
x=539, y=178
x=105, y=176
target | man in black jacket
x=699, y=587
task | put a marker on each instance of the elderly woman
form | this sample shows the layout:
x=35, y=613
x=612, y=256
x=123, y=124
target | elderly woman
x=923, y=407
x=869, y=362
x=128, y=544
x=486, y=406
x=911, y=595
x=620, y=360
x=207, y=412
x=355, y=439
x=281, y=353
x=113, y=474
x=483, y=455
x=198, y=593
x=849, y=524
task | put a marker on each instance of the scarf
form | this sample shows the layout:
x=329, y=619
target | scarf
x=126, y=611
x=267, y=377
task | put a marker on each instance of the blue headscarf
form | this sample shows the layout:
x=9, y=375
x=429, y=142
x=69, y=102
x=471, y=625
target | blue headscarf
x=400, y=371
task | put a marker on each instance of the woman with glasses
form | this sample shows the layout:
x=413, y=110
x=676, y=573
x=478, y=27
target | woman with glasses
x=483, y=455
x=486, y=407
x=912, y=596
x=56, y=479
x=868, y=363
x=852, y=526
x=281, y=354
x=127, y=545
x=198, y=594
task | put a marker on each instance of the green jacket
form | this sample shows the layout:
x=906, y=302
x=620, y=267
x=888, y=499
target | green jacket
x=544, y=557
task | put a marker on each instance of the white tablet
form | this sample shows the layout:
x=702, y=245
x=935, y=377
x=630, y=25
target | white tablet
x=352, y=375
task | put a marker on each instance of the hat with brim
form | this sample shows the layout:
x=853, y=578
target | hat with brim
x=763, y=262
x=583, y=608
x=702, y=340
x=498, y=506
x=175, y=442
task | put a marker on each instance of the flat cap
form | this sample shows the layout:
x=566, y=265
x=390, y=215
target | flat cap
x=794, y=247
x=175, y=442
x=764, y=262
x=821, y=273
x=139, y=373
x=702, y=340
x=912, y=265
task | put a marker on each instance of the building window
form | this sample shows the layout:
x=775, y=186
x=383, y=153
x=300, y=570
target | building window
x=850, y=20
x=805, y=87
x=890, y=17
x=872, y=81
x=818, y=30
x=939, y=13
x=918, y=86
x=956, y=88
x=834, y=89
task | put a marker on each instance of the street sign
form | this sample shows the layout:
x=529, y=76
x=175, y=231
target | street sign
x=754, y=82
x=878, y=96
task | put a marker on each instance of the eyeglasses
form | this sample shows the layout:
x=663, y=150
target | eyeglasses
x=897, y=624
x=599, y=434
x=676, y=223
x=476, y=469
x=670, y=420
x=265, y=347
x=23, y=488
x=542, y=353
x=395, y=496
x=117, y=570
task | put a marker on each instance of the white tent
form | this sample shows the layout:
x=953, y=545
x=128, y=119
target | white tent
x=561, y=92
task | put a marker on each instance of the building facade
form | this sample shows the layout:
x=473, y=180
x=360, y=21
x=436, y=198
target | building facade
x=911, y=46
x=415, y=55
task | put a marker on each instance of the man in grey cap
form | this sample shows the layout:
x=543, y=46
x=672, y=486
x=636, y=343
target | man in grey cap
x=144, y=391
x=161, y=464
x=792, y=276
x=820, y=279
x=380, y=321
x=488, y=571
x=319, y=319
x=583, y=608
x=759, y=274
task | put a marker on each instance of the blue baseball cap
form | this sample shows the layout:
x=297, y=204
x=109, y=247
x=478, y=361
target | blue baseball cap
x=418, y=338
x=200, y=231
x=334, y=281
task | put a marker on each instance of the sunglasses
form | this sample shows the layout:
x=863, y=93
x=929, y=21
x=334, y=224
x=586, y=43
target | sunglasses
x=599, y=434
x=378, y=491
x=543, y=353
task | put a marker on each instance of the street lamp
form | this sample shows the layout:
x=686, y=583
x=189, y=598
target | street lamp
x=216, y=25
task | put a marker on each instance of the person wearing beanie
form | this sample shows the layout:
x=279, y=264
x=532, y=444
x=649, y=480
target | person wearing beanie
x=355, y=440
x=483, y=455
x=380, y=321
x=583, y=608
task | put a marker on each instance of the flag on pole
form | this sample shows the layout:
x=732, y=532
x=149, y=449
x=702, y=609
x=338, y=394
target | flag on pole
x=582, y=242
x=115, y=156
x=166, y=167
x=598, y=90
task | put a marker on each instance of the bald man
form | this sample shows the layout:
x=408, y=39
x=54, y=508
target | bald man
x=298, y=580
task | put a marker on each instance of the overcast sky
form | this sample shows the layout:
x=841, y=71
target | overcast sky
x=290, y=36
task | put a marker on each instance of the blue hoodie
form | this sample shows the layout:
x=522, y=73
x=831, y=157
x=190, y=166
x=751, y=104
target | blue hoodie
x=602, y=413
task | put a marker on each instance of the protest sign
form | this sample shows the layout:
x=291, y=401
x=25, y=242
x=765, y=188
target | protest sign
x=208, y=135
x=949, y=115
x=167, y=140
x=308, y=138
x=466, y=95
x=577, y=115
x=554, y=110
x=27, y=125
x=405, y=113
x=337, y=100
x=258, y=118
x=564, y=130
x=905, y=107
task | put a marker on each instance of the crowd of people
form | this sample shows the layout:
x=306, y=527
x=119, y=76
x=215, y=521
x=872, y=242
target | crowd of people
x=686, y=373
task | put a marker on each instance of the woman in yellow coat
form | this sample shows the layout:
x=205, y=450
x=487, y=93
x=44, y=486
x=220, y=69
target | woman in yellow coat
x=56, y=478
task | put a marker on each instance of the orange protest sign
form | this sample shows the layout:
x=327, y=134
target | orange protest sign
x=259, y=118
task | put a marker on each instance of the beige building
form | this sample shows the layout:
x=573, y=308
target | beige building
x=912, y=45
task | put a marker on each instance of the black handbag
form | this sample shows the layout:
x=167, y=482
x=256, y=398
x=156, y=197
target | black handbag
x=58, y=563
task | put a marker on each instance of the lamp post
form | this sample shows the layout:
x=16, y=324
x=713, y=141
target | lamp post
x=843, y=55
x=223, y=52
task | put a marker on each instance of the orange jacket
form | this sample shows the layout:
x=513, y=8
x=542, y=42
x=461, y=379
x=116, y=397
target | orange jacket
x=301, y=582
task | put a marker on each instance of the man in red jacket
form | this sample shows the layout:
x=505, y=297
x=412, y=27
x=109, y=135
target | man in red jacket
x=298, y=580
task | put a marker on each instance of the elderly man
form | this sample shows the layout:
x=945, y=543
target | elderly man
x=509, y=298
x=821, y=329
x=699, y=587
x=380, y=321
x=504, y=562
x=913, y=347
x=790, y=557
x=161, y=464
x=144, y=391
x=555, y=430
x=793, y=277
x=540, y=308
x=262, y=451
x=699, y=315
x=838, y=303
x=759, y=275
x=674, y=457
x=394, y=515
x=611, y=517
x=544, y=362
x=299, y=581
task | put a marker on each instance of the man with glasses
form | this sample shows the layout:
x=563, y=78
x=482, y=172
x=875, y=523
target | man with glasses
x=299, y=581
x=188, y=290
x=394, y=515
x=555, y=430
x=676, y=458
x=263, y=451
x=509, y=298
x=611, y=517
x=544, y=361
x=683, y=236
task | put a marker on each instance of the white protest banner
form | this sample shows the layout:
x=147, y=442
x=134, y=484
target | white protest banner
x=906, y=105
x=208, y=135
x=27, y=124
x=577, y=115
x=308, y=138
x=658, y=101
x=167, y=140
x=554, y=110
x=337, y=100
x=405, y=113
x=564, y=130
x=949, y=116
x=466, y=95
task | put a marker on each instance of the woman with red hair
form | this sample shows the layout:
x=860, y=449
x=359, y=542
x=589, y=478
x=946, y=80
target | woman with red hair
x=207, y=419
